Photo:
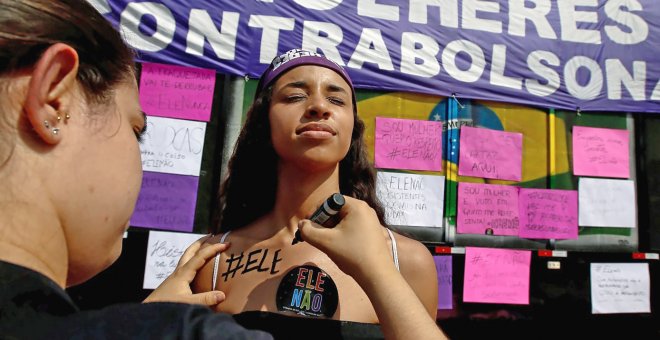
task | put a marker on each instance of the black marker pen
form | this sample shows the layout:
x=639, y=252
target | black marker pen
x=325, y=213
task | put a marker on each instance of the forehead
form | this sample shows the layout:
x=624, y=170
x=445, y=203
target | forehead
x=312, y=74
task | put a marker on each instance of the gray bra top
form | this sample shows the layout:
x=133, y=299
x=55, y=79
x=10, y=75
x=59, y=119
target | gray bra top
x=216, y=261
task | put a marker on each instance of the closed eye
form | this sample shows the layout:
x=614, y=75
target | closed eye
x=295, y=98
x=336, y=101
x=140, y=132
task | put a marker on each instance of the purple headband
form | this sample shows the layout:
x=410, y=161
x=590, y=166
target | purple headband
x=298, y=57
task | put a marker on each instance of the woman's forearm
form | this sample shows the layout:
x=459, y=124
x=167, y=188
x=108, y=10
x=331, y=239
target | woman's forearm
x=401, y=314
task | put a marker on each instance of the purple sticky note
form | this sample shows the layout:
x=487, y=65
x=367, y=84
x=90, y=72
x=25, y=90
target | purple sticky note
x=496, y=275
x=443, y=267
x=601, y=152
x=408, y=144
x=488, y=208
x=548, y=213
x=166, y=202
x=177, y=91
x=490, y=154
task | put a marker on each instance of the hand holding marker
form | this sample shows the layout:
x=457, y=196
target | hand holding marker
x=325, y=213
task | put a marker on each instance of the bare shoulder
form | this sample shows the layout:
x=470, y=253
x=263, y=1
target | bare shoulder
x=413, y=255
x=418, y=268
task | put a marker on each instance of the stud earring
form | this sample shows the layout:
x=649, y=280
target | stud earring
x=46, y=124
x=56, y=131
x=66, y=117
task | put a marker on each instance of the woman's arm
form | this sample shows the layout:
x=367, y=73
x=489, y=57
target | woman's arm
x=357, y=246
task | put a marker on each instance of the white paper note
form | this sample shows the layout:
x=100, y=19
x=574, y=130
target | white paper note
x=163, y=252
x=607, y=203
x=173, y=146
x=620, y=288
x=410, y=199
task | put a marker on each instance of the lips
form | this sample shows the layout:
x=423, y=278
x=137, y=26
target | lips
x=315, y=127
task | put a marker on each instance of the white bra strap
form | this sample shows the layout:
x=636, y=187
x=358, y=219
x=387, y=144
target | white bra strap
x=395, y=254
x=216, y=262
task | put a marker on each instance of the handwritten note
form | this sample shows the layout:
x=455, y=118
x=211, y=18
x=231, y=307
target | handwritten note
x=177, y=91
x=164, y=249
x=486, y=208
x=607, y=203
x=490, y=154
x=408, y=144
x=443, y=268
x=173, y=146
x=620, y=288
x=546, y=213
x=601, y=152
x=409, y=199
x=496, y=275
x=166, y=202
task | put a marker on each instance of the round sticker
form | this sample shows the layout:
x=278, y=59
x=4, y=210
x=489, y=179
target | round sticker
x=308, y=291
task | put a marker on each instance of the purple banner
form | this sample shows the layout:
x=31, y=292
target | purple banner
x=166, y=202
x=595, y=55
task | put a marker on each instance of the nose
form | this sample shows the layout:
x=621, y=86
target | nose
x=318, y=107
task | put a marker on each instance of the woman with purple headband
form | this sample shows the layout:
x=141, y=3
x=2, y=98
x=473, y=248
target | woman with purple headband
x=302, y=142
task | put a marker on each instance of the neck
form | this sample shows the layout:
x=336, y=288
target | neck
x=31, y=236
x=300, y=193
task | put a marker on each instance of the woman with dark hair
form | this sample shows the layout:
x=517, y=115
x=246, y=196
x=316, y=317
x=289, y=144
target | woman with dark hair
x=70, y=173
x=303, y=141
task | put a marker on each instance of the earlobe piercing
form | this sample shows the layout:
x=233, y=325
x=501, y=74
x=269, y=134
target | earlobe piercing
x=55, y=131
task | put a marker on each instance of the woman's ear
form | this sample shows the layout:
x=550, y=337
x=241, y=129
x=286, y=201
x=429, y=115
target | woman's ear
x=52, y=87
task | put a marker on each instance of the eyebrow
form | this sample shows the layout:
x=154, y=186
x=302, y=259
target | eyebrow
x=336, y=88
x=297, y=84
x=303, y=84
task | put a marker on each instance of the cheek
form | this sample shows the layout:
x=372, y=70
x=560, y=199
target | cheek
x=347, y=126
x=279, y=134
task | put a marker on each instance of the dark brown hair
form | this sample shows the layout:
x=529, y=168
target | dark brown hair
x=249, y=190
x=29, y=27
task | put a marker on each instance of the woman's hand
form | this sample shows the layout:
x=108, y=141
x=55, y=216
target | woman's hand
x=176, y=288
x=356, y=244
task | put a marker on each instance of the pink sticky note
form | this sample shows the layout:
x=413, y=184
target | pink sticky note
x=487, y=206
x=600, y=152
x=490, y=154
x=177, y=91
x=166, y=202
x=443, y=267
x=408, y=144
x=548, y=213
x=496, y=275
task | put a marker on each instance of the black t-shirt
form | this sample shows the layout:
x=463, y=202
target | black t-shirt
x=33, y=307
